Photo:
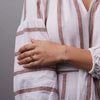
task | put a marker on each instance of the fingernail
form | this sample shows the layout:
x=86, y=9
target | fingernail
x=18, y=62
x=18, y=53
x=17, y=58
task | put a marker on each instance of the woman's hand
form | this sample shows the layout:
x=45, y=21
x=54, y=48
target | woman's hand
x=43, y=52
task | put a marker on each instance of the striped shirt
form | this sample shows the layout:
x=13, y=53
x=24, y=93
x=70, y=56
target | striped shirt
x=66, y=22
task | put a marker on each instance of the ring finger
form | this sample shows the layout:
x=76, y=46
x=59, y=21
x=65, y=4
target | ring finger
x=26, y=60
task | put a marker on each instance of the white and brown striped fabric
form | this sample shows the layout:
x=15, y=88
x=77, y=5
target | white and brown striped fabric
x=35, y=83
x=68, y=23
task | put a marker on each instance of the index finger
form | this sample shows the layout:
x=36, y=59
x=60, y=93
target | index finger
x=27, y=47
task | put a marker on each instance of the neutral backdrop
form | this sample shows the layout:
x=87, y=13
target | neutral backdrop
x=10, y=15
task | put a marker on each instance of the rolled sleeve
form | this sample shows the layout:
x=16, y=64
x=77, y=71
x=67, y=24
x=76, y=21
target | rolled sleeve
x=95, y=53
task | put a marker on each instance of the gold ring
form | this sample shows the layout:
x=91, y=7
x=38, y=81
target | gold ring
x=31, y=58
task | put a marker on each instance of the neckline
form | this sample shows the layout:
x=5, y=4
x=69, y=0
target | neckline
x=87, y=11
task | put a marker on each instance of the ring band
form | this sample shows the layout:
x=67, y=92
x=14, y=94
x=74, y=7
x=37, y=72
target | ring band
x=31, y=58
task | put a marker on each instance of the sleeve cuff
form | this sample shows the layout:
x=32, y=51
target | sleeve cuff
x=93, y=66
x=95, y=53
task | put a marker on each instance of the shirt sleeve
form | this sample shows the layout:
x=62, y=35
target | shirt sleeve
x=32, y=15
x=95, y=53
x=32, y=24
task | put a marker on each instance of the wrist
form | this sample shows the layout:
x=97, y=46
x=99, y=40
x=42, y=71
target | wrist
x=65, y=54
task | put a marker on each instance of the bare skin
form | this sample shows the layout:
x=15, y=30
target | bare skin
x=87, y=3
x=43, y=52
x=47, y=53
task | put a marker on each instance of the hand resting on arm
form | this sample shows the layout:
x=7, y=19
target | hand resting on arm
x=46, y=53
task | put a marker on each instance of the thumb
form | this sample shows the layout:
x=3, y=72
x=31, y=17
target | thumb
x=32, y=40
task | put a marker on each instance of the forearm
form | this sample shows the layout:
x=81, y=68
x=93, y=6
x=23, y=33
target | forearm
x=78, y=57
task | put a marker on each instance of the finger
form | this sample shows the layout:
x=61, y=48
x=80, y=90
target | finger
x=31, y=64
x=26, y=54
x=32, y=40
x=25, y=61
x=27, y=47
x=35, y=41
x=28, y=60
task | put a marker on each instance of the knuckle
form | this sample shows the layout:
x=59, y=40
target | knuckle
x=39, y=51
x=37, y=57
x=33, y=45
x=21, y=61
x=26, y=60
x=20, y=49
x=33, y=52
x=20, y=56
x=24, y=54
x=34, y=57
x=25, y=46
x=30, y=64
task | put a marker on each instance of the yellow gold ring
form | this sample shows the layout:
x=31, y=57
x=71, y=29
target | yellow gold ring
x=31, y=58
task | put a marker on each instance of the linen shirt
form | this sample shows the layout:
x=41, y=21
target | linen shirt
x=67, y=22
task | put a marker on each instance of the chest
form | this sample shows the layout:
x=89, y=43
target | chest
x=75, y=20
x=87, y=4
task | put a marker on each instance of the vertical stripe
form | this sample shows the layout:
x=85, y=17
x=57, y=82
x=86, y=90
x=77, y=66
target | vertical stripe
x=82, y=46
x=45, y=11
x=96, y=81
x=24, y=9
x=62, y=42
x=92, y=15
x=90, y=42
x=63, y=87
x=38, y=9
x=59, y=21
x=88, y=87
x=80, y=23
